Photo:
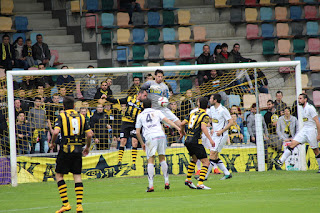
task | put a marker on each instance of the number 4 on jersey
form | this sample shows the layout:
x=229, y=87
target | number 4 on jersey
x=148, y=119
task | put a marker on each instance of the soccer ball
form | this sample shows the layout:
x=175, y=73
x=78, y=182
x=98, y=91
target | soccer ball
x=163, y=101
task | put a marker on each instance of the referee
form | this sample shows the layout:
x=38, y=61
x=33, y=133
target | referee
x=75, y=132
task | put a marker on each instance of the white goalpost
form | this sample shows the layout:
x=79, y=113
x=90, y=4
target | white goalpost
x=260, y=140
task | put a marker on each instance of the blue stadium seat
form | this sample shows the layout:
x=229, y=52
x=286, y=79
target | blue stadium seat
x=21, y=23
x=312, y=28
x=213, y=46
x=303, y=62
x=310, y=1
x=121, y=53
x=234, y=100
x=198, y=49
x=92, y=5
x=17, y=35
x=33, y=37
x=154, y=4
x=17, y=79
x=266, y=14
x=138, y=36
x=169, y=64
x=246, y=136
x=168, y=4
x=54, y=90
x=107, y=20
x=169, y=35
x=153, y=19
x=173, y=84
x=267, y=30
x=295, y=13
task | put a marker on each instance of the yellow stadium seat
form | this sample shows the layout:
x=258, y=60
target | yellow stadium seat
x=7, y=7
x=75, y=6
x=248, y=100
x=123, y=36
x=184, y=17
x=6, y=24
x=251, y=15
x=266, y=3
x=221, y=4
x=184, y=33
x=153, y=64
x=304, y=81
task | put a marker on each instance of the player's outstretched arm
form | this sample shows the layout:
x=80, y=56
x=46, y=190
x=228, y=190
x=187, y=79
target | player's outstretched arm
x=171, y=123
x=206, y=132
x=138, y=134
x=316, y=119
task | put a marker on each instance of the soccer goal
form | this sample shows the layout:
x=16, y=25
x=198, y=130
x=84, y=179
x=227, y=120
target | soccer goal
x=251, y=146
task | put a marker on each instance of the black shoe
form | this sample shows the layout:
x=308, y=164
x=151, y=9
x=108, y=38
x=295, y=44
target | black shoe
x=119, y=163
x=133, y=166
x=277, y=162
x=150, y=189
x=167, y=186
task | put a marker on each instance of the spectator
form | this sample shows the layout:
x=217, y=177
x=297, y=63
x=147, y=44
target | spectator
x=237, y=56
x=38, y=119
x=52, y=111
x=87, y=106
x=20, y=60
x=235, y=110
x=62, y=93
x=294, y=109
x=7, y=53
x=114, y=116
x=4, y=140
x=27, y=53
x=235, y=135
x=271, y=118
x=87, y=87
x=261, y=80
x=287, y=126
x=204, y=58
x=45, y=81
x=104, y=91
x=28, y=83
x=251, y=124
x=40, y=93
x=66, y=80
x=216, y=52
x=23, y=132
x=17, y=108
x=135, y=88
x=212, y=77
x=99, y=123
x=25, y=104
x=41, y=52
x=149, y=77
x=279, y=104
x=130, y=6
x=187, y=104
x=224, y=56
x=172, y=133
x=90, y=67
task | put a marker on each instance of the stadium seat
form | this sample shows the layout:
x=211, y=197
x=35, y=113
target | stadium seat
x=92, y=5
x=185, y=63
x=6, y=25
x=315, y=79
x=154, y=52
x=91, y=20
x=184, y=34
x=236, y=3
x=56, y=60
x=107, y=20
x=266, y=3
x=151, y=64
x=185, y=84
x=268, y=47
x=154, y=4
x=314, y=62
x=281, y=14
x=310, y=1
x=33, y=37
x=251, y=3
x=153, y=35
x=21, y=23
x=153, y=18
x=316, y=98
x=221, y=4
x=138, y=52
x=173, y=84
x=137, y=19
x=284, y=47
x=303, y=63
x=248, y=100
x=310, y=12
x=312, y=28
x=169, y=51
x=246, y=136
x=106, y=36
x=234, y=100
x=280, y=2
x=17, y=35
x=171, y=74
x=267, y=31
x=123, y=19
x=198, y=49
x=297, y=29
x=75, y=6
x=7, y=7
x=295, y=13
x=263, y=99
x=298, y=46
x=138, y=36
x=304, y=81
x=283, y=30
x=199, y=34
x=236, y=15
x=185, y=51
x=168, y=4
x=212, y=47
x=107, y=5
x=169, y=35
x=168, y=18
x=142, y=4
x=314, y=45
x=253, y=32
x=251, y=14
x=295, y=2
x=266, y=14
x=123, y=36
x=121, y=53
x=284, y=69
x=184, y=17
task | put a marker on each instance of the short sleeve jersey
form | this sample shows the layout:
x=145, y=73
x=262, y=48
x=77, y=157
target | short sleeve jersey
x=195, y=119
x=150, y=119
x=155, y=91
x=219, y=116
x=308, y=113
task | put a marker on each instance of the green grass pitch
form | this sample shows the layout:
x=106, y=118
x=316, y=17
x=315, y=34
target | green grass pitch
x=272, y=191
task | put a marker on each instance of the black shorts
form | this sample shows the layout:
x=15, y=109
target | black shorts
x=128, y=130
x=196, y=149
x=69, y=162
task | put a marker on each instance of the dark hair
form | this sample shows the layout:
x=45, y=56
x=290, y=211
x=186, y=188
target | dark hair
x=215, y=49
x=288, y=108
x=203, y=102
x=82, y=108
x=16, y=41
x=304, y=95
x=217, y=97
x=37, y=98
x=68, y=102
x=136, y=77
x=146, y=103
x=205, y=45
x=236, y=44
x=270, y=101
x=28, y=39
x=148, y=75
x=158, y=71
x=254, y=105
x=39, y=35
x=142, y=91
x=55, y=94
x=42, y=64
x=279, y=92
x=5, y=36
x=224, y=45
x=90, y=66
x=64, y=66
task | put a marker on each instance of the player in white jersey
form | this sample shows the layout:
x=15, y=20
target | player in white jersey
x=155, y=139
x=156, y=89
x=221, y=122
x=310, y=132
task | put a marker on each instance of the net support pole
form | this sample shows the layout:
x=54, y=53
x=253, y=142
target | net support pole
x=12, y=134
x=302, y=147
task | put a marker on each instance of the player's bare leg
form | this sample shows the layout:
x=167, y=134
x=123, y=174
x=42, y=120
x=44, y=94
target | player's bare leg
x=150, y=169
x=164, y=168
x=62, y=186
x=134, y=152
x=214, y=159
x=123, y=142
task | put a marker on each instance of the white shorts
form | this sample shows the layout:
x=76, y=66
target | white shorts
x=219, y=142
x=206, y=142
x=307, y=136
x=155, y=143
x=167, y=112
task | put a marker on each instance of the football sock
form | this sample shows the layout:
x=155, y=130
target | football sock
x=222, y=167
x=120, y=155
x=211, y=165
x=164, y=168
x=78, y=187
x=203, y=172
x=318, y=160
x=134, y=154
x=198, y=164
x=286, y=154
x=150, y=174
x=62, y=186
x=191, y=168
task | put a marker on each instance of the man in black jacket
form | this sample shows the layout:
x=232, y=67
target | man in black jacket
x=7, y=53
x=41, y=52
x=204, y=58
x=104, y=91
x=237, y=55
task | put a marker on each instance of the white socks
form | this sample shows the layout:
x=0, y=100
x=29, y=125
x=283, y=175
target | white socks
x=164, y=168
x=211, y=165
x=223, y=168
x=285, y=155
x=150, y=174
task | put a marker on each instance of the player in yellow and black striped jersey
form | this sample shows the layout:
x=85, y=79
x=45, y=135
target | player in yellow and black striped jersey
x=74, y=132
x=128, y=123
x=197, y=123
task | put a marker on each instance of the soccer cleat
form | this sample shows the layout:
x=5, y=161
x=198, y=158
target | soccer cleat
x=119, y=163
x=197, y=178
x=198, y=172
x=150, y=189
x=318, y=171
x=226, y=177
x=64, y=209
x=203, y=187
x=167, y=186
x=190, y=184
x=133, y=167
x=216, y=171
x=277, y=162
x=79, y=208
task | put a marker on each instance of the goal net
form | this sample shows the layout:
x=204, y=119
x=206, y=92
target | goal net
x=33, y=100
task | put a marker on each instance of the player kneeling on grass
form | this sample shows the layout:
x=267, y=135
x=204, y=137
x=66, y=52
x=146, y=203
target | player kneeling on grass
x=197, y=123
x=310, y=133
x=75, y=131
x=155, y=138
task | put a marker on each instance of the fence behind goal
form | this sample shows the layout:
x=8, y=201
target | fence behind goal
x=32, y=119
